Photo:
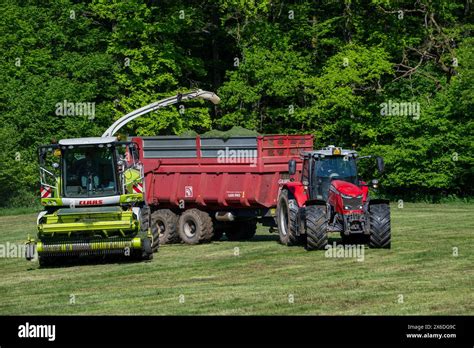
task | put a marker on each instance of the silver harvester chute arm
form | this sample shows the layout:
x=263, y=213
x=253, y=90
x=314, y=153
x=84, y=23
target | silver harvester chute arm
x=212, y=97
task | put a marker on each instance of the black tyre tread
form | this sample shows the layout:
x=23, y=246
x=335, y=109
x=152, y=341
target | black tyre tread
x=147, y=250
x=146, y=222
x=208, y=226
x=291, y=238
x=170, y=220
x=380, y=230
x=316, y=228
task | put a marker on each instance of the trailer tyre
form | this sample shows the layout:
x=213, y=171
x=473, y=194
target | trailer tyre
x=287, y=221
x=316, y=228
x=195, y=226
x=380, y=231
x=164, y=223
x=242, y=230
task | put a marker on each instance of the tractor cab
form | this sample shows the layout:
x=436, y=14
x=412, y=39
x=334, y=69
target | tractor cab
x=329, y=165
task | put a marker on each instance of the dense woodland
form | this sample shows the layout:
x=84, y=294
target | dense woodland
x=392, y=78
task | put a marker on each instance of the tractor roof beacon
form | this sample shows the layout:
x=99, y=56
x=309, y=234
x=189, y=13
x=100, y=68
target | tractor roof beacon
x=92, y=190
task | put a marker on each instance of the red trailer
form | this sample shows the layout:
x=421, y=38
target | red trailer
x=199, y=188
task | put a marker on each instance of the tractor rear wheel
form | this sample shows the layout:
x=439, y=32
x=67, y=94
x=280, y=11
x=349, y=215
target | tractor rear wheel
x=380, y=231
x=316, y=228
x=241, y=230
x=195, y=226
x=287, y=213
x=164, y=222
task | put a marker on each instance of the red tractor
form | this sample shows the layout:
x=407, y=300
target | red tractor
x=331, y=198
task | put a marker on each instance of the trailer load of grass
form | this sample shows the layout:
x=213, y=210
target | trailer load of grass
x=235, y=131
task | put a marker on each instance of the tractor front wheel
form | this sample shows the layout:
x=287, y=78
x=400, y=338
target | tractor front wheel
x=316, y=228
x=380, y=231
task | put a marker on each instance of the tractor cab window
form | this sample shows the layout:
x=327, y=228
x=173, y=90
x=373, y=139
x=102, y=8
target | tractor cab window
x=89, y=171
x=332, y=168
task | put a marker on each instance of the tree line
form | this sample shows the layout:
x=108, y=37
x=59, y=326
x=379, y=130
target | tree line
x=391, y=78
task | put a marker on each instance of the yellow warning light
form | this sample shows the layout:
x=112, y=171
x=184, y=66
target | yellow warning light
x=57, y=153
x=336, y=151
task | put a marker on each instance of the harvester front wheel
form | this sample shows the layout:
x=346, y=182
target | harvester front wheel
x=287, y=219
x=164, y=223
x=147, y=250
x=316, y=228
x=195, y=226
x=147, y=223
x=380, y=231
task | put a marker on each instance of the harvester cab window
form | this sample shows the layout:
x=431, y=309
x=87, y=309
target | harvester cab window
x=89, y=171
x=332, y=168
x=49, y=158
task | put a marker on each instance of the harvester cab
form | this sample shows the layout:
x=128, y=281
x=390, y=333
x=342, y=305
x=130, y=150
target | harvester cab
x=330, y=197
x=93, y=193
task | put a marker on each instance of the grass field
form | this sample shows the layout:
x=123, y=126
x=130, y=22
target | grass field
x=419, y=275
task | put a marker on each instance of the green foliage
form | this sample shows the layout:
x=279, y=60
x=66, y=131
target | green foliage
x=279, y=67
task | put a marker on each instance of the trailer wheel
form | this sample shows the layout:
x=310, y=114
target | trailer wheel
x=165, y=222
x=242, y=230
x=380, y=231
x=195, y=226
x=287, y=213
x=316, y=228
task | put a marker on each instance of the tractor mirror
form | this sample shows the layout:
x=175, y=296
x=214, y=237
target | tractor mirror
x=292, y=167
x=380, y=164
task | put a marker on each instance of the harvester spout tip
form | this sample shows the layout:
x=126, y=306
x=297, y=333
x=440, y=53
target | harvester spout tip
x=212, y=97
